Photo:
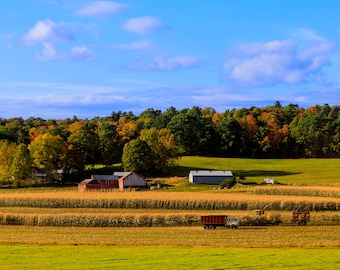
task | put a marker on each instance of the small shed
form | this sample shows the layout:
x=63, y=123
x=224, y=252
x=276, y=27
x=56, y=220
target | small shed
x=99, y=182
x=130, y=179
x=209, y=176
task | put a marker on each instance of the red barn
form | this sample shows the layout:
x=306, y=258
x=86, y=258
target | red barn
x=99, y=182
x=119, y=180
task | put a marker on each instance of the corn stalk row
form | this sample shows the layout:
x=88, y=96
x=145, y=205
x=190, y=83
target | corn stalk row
x=297, y=192
x=169, y=204
x=139, y=220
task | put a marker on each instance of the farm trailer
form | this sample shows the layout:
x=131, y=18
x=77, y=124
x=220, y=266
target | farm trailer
x=211, y=222
x=301, y=216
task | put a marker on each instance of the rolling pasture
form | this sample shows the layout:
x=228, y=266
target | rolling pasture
x=285, y=171
x=60, y=228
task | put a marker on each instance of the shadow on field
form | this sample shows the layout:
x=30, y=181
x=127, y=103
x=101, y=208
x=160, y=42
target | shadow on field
x=184, y=172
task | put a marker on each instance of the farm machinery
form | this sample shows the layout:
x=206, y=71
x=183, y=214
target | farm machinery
x=211, y=222
x=263, y=218
x=301, y=216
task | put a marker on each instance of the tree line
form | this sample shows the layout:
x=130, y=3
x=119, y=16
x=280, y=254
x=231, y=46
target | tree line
x=152, y=141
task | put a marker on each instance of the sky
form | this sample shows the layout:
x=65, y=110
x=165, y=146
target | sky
x=66, y=58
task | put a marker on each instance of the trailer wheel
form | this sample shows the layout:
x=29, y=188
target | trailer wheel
x=302, y=222
x=205, y=227
x=211, y=227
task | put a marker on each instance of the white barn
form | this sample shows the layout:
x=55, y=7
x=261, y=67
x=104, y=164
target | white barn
x=209, y=176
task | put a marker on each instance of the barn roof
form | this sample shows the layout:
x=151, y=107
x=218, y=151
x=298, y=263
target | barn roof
x=121, y=174
x=210, y=173
x=104, y=177
x=86, y=181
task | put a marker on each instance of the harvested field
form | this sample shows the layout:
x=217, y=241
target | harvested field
x=246, y=237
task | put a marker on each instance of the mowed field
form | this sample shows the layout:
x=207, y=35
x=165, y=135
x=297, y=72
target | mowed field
x=281, y=247
x=285, y=171
x=159, y=229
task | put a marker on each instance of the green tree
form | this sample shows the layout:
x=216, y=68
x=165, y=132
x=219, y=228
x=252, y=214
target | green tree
x=193, y=131
x=228, y=129
x=7, y=150
x=110, y=147
x=312, y=132
x=147, y=118
x=164, y=149
x=21, y=167
x=49, y=152
x=137, y=157
x=85, y=141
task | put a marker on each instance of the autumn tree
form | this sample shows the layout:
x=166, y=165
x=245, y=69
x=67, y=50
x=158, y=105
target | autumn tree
x=49, y=152
x=21, y=168
x=127, y=129
x=152, y=152
x=7, y=150
x=164, y=148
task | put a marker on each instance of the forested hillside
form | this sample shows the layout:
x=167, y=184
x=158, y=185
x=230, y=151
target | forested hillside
x=155, y=139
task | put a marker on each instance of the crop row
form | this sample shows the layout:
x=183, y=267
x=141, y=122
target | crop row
x=138, y=220
x=298, y=191
x=99, y=221
x=285, y=205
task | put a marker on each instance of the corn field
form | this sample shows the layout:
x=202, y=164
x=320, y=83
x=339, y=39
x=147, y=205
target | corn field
x=146, y=220
x=333, y=192
x=324, y=204
x=99, y=220
x=106, y=209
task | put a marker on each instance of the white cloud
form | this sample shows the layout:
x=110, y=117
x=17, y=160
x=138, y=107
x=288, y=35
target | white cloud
x=276, y=62
x=143, y=25
x=306, y=34
x=100, y=9
x=46, y=31
x=81, y=53
x=168, y=64
x=137, y=45
x=49, y=53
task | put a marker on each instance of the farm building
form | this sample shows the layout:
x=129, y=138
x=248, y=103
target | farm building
x=209, y=177
x=119, y=180
x=130, y=179
x=99, y=182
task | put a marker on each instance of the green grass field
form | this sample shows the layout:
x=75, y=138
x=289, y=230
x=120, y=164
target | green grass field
x=281, y=247
x=286, y=171
x=112, y=257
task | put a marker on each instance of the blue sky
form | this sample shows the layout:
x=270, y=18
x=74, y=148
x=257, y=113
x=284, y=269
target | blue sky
x=65, y=58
